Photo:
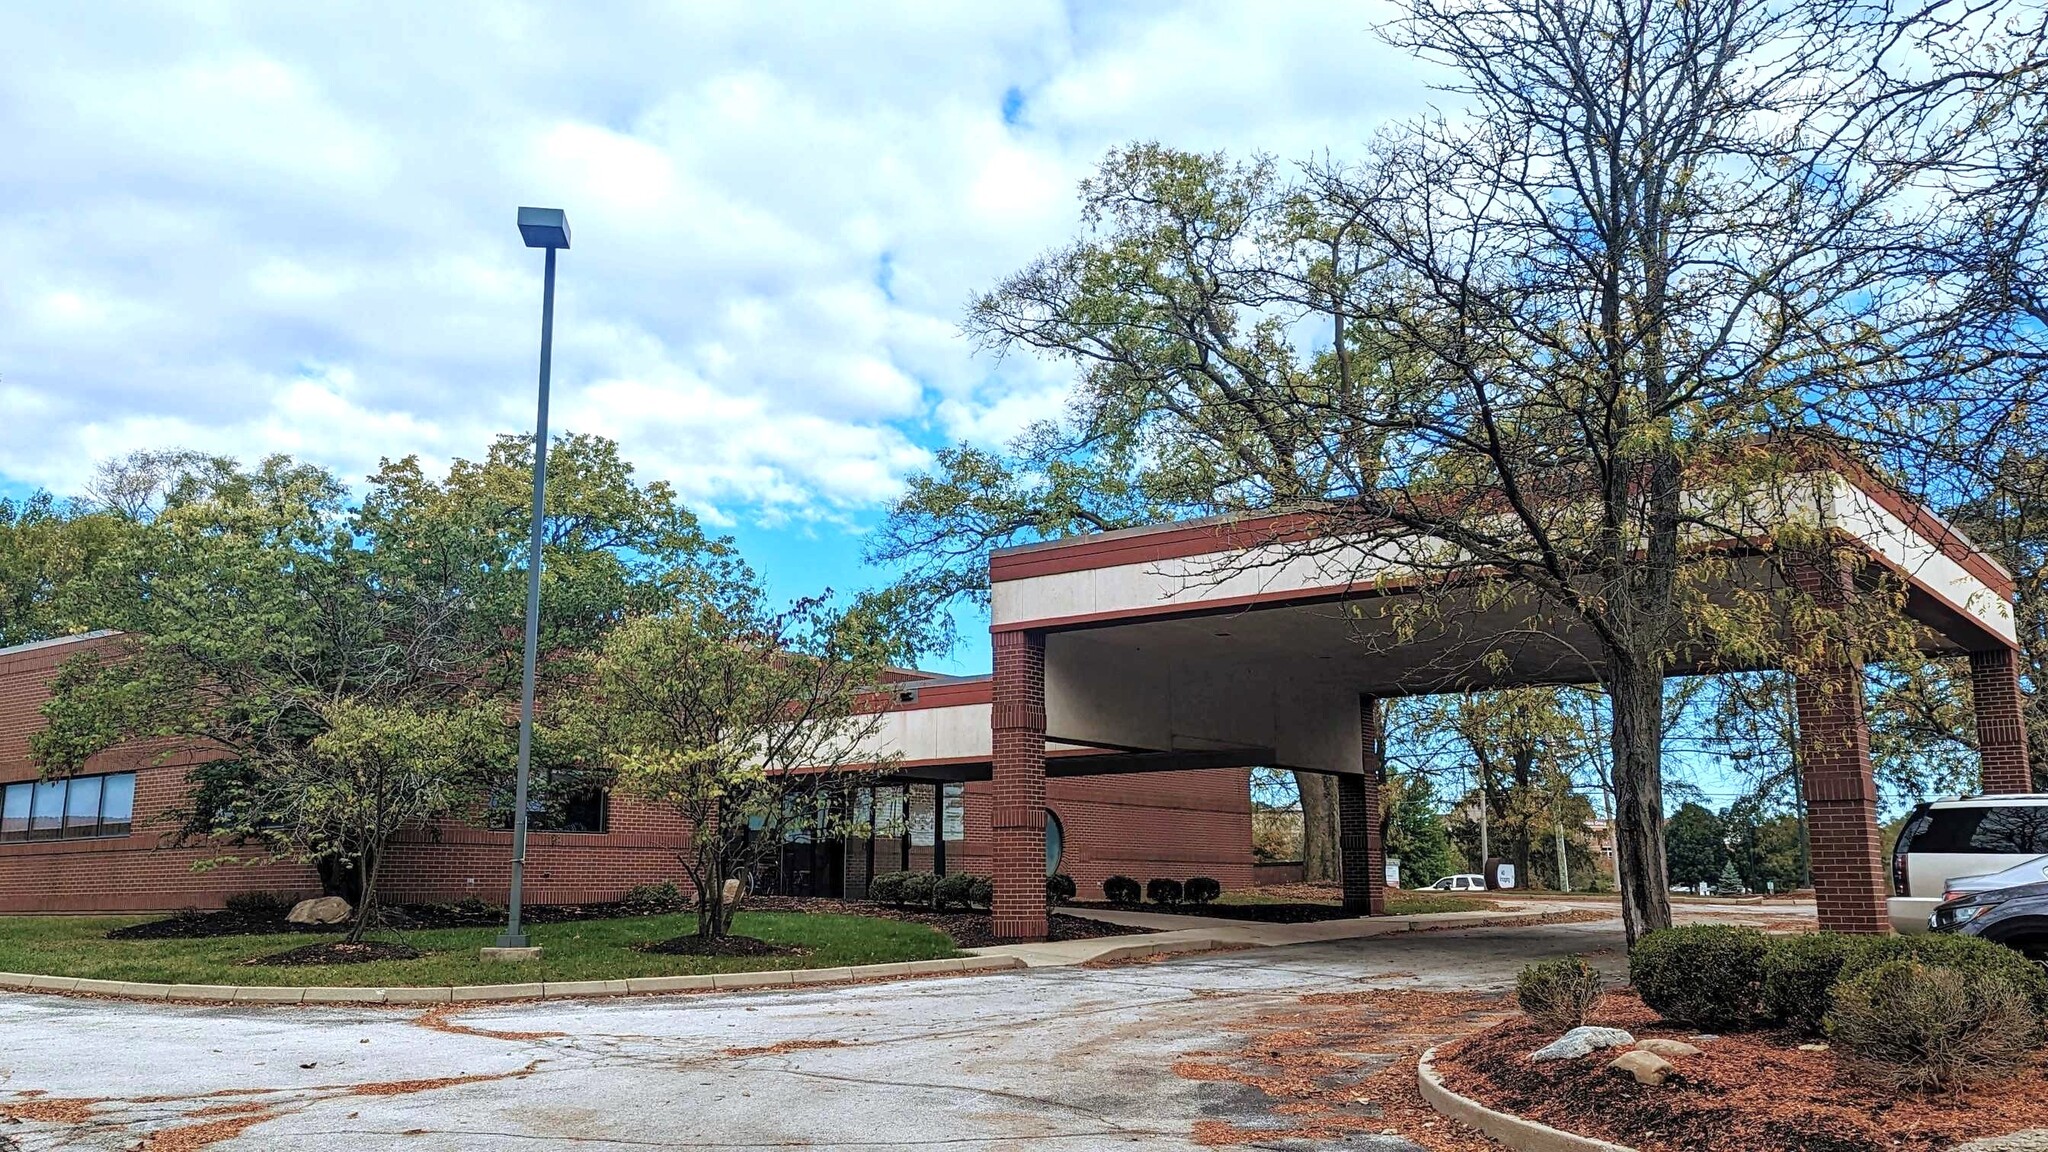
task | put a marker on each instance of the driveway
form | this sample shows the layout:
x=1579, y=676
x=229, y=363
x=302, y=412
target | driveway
x=1142, y=1056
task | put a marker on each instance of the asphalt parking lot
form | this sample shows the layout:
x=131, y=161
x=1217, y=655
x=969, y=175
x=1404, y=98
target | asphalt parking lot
x=1077, y=1058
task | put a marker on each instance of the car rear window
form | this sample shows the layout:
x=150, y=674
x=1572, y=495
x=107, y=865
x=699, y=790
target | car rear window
x=1984, y=831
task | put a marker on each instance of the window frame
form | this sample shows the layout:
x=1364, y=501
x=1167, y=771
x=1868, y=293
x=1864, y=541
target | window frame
x=60, y=788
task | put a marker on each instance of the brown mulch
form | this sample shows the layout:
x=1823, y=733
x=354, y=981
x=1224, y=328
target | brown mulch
x=694, y=945
x=968, y=929
x=1751, y=1092
x=39, y=1108
x=338, y=952
x=1342, y=1065
x=197, y=925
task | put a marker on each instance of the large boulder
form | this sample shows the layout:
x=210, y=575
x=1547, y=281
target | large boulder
x=1646, y=1067
x=321, y=910
x=1582, y=1041
x=1669, y=1049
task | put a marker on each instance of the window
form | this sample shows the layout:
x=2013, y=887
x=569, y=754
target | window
x=582, y=811
x=953, y=820
x=1055, y=842
x=73, y=808
x=2019, y=830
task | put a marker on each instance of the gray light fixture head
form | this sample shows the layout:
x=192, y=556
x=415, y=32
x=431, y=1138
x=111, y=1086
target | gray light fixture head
x=544, y=227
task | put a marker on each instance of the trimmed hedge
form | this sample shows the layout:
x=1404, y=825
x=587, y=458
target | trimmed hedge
x=1798, y=971
x=1709, y=976
x=1967, y=954
x=955, y=889
x=260, y=905
x=1164, y=890
x=1120, y=890
x=909, y=889
x=1059, y=888
x=1203, y=889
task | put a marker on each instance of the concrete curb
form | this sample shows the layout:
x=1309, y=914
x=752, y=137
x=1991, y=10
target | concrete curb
x=1513, y=1131
x=488, y=993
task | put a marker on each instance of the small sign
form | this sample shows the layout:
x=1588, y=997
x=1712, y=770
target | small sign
x=1504, y=876
x=955, y=823
x=1393, y=873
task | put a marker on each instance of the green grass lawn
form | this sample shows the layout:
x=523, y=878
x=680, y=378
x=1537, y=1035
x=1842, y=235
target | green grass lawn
x=585, y=950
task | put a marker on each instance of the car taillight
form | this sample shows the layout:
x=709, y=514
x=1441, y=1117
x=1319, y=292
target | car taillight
x=1899, y=874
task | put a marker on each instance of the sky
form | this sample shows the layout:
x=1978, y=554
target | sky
x=256, y=228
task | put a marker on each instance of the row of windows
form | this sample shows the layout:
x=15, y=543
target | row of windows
x=69, y=809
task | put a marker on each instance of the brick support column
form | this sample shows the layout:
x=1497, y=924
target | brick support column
x=1018, y=737
x=1834, y=759
x=1362, y=859
x=2001, y=727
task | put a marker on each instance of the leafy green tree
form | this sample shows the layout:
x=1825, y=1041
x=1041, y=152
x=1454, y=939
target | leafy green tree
x=273, y=623
x=1695, y=845
x=743, y=720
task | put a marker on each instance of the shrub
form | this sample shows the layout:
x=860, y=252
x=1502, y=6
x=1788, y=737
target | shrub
x=919, y=889
x=1120, y=890
x=1966, y=954
x=887, y=887
x=1912, y=1025
x=260, y=905
x=1706, y=975
x=982, y=893
x=1797, y=973
x=1164, y=890
x=1202, y=889
x=1059, y=888
x=653, y=897
x=955, y=889
x=1558, y=994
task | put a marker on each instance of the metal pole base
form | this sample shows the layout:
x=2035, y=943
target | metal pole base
x=504, y=953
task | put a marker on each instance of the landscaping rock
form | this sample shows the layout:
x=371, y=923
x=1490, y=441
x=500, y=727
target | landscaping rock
x=1582, y=1042
x=320, y=910
x=730, y=894
x=1669, y=1049
x=1647, y=1067
x=2032, y=1140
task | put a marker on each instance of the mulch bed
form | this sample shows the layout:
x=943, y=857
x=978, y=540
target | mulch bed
x=338, y=952
x=1750, y=1092
x=204, y=925
x=717, y=946
x=968, y=929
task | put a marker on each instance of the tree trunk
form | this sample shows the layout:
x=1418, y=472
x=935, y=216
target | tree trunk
x=1636, y=694
x=366, y=907
x=1320, y=861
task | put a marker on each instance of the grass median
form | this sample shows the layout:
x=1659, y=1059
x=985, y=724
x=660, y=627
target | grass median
x=581, y=950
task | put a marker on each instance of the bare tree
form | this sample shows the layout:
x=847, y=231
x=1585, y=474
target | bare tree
x=1551, y=345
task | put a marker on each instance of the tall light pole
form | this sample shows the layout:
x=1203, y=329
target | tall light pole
x=541, y=228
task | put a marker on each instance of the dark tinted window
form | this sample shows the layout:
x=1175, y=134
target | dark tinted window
x=2018, y=830
x=14, y=812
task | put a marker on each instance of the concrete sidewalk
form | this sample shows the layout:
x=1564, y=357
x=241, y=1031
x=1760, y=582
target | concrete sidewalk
x=1173, y=934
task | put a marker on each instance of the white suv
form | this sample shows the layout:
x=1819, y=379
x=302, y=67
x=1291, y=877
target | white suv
x=1466, y=882
x=1949, y=839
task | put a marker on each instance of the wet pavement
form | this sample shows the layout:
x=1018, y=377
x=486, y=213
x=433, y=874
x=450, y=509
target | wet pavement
x=1060, y=1058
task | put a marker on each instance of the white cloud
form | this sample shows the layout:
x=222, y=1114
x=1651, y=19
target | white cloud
x=253, y=227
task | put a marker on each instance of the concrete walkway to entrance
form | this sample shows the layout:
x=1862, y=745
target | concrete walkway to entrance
x=1174, y=934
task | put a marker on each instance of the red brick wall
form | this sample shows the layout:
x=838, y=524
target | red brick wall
x=1173, y=824
x=124, y=874
x=1177, y=824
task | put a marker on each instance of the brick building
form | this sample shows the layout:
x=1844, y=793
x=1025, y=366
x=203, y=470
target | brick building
x=94, y=842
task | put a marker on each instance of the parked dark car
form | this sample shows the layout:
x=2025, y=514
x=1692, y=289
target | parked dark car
x=2017, y=917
